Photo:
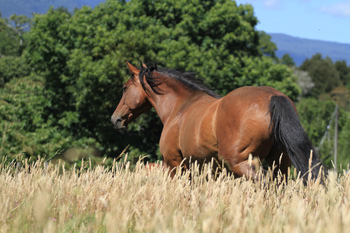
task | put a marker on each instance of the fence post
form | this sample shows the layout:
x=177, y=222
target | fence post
x=336, y=139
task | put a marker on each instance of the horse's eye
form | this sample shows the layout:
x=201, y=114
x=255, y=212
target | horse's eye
x=124, y=88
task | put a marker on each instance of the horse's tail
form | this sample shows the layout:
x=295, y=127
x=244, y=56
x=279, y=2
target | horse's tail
x=290, y=136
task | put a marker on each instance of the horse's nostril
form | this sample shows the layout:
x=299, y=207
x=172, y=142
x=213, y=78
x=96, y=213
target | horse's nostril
x=115, y=120
x=118, y=120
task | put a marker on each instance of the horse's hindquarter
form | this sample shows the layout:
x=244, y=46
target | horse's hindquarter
x=243, y=124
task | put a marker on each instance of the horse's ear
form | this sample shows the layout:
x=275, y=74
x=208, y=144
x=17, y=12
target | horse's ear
x=133, y=69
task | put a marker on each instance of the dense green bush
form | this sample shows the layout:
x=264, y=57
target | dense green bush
x=24, y=126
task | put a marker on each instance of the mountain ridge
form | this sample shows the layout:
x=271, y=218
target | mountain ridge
x=301, y=48
x=27, y=7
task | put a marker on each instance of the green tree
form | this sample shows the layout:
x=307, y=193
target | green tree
x=12, y=65
x=344, y=72
x=315, y=116
x=267, y=47
x=12, y=33
x=22, y=127
x=82, y=58
x=287, y=60
x=323, y=73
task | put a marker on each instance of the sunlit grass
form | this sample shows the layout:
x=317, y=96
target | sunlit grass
x=38, y=198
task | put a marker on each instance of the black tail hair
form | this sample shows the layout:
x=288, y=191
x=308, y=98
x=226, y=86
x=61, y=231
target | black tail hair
x=290, y=136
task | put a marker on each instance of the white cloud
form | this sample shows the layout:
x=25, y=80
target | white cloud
x=341, y=9
x=271, y=3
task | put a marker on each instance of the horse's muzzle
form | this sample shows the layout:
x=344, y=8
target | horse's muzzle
x=118, y=122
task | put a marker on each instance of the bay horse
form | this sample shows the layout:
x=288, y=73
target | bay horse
x=200, y=125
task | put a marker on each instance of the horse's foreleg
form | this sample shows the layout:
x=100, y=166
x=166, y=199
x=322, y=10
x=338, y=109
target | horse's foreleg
x=173, y=161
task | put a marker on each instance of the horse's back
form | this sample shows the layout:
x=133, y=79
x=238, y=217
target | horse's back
x=247, y=102
x=253, y=92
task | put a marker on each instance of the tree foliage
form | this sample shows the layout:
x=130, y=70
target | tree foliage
x=12, y=67
x=323, y=73
x=317, y=118
x=22, y=127
x=11, y=34
x=287, y=60
x=344, y=72
x=267, y=47
x=330, y=88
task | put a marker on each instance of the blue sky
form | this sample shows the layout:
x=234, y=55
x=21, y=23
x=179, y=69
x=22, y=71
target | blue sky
x=327, y=20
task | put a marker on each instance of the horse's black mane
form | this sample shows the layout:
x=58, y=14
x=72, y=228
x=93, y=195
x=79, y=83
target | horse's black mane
x=186, y=78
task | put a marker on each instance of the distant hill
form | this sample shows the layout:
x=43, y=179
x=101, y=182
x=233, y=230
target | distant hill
x=300, y=49
x=27, y=7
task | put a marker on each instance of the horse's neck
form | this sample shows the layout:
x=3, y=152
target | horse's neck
x=171, y=102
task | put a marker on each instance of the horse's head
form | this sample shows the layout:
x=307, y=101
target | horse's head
x=133, y=103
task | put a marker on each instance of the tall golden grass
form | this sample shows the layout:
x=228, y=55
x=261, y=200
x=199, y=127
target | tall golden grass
x=38, y=198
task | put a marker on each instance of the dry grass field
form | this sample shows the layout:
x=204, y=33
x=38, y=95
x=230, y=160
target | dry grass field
x=120, y=199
